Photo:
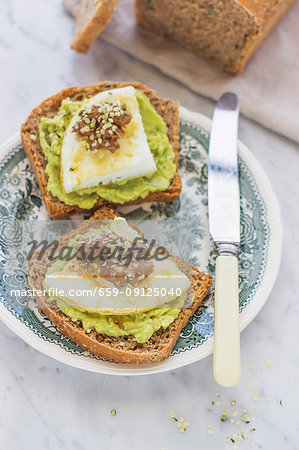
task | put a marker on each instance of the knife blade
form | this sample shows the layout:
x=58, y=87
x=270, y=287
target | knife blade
x=224, y=224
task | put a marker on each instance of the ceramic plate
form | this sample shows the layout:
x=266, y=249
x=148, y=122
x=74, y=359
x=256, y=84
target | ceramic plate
x=261, y=243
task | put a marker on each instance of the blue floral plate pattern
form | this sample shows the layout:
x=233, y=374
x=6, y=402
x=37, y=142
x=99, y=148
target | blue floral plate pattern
x=261, y=243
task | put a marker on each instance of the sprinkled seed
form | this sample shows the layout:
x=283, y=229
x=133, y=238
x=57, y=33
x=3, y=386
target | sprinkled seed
x=233, y=403
x=217, y=404
x=238, y=423
x=255, y=396
x=33, y=137
x=235, y=413
x=232, y=420
x=113, y=412
x=245, y=418
x=268, y=362
x=217, y=395
x=253, y=367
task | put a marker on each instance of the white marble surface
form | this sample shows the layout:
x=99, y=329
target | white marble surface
x=47, y=405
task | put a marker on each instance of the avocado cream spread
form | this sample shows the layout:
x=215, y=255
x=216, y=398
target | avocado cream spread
x=142, y=326
x=51, y=133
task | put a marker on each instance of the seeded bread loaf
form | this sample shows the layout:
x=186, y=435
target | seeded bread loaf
x=122, y=349
x=225, y=32
x=168, y=109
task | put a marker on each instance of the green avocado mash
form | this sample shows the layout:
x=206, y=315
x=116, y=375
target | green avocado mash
x=51, y=132
x=141, y=326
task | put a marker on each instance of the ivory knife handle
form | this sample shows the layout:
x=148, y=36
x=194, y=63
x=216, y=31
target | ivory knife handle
x=226, y=362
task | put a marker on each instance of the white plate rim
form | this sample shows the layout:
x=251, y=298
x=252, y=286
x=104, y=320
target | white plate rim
x=190, y=356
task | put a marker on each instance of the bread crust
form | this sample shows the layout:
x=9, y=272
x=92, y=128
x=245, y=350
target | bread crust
x=167, y=108
x=267, y=21
x=89, y=24
x=124, y=349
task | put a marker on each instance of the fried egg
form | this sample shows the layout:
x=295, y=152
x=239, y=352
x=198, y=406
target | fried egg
x=81, y=169
x=166, y=280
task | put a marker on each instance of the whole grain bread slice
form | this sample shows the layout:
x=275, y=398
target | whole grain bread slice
x=92, y=16
x=167, y=108
x=123, y=349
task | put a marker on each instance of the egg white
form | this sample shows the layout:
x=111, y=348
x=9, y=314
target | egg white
x=165, y=275
x=82, y=169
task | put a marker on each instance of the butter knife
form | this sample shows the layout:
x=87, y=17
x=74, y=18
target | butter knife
x=224, y=224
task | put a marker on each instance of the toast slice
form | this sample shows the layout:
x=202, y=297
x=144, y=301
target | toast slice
x=92, y=16
x=123, y=349
x=167, y=108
